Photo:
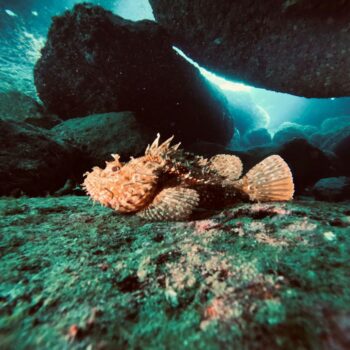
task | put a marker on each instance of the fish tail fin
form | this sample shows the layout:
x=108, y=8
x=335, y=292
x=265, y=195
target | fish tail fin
x=269, y=180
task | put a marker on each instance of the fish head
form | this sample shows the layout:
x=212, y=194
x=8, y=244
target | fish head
x=129, y=187
x=125, y=187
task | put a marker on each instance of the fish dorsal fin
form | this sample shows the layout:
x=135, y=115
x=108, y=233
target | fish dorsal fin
x=156, y=149
x=151, y=148
x=269, y=180
x=226, y=165
x=171, y=204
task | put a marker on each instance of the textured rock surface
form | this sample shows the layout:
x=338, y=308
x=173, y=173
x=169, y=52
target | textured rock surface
x=100, y=135
x=31, y=161
x=300, y=47
x=96, y=62
x=79, y=276
x=332, y=189
x=19, y=107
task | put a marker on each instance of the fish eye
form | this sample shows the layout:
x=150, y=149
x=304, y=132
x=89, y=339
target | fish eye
x=116, y=168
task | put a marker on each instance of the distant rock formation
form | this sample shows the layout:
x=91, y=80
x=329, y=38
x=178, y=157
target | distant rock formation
x=289, y=131
x=96, y=62
x=257, y=137
x=332, y=189
x=16, y=106
x=299, y=47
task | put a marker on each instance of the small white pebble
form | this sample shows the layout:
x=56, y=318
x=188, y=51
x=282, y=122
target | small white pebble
x=329, y=236
x=171, y=297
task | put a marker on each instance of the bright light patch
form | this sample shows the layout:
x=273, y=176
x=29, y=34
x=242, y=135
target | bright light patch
x=219, y=81
x=33, y=44
x=134, y=10
x=18, y=54
x=10, y=13
x=34, y=13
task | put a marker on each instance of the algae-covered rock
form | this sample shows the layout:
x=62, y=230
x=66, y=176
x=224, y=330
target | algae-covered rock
x=98, y=136
x=32, y=162
x=76, y=275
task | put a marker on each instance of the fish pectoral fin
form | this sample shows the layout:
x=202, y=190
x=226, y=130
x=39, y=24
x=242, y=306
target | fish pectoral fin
x=171, y=204
x=226, y=165
x=269, y=180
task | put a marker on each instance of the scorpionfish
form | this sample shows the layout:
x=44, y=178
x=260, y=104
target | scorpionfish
x=170, y=184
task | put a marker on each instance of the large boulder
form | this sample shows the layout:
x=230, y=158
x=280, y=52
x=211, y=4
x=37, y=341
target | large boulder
x=97, y=62
x=31, y=162
x=332, y=189
x=100, y=135
x=307, y=162
x=300, y=47
x=257, y=137
x=16, y=106
x=290, y=131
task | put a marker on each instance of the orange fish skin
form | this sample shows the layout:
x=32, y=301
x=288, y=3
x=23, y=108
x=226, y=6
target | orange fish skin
x=167, y=182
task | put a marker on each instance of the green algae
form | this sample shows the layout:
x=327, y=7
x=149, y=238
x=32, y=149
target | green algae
x=79, y=276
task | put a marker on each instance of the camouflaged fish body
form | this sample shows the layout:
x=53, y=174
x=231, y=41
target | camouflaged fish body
x=169, y=184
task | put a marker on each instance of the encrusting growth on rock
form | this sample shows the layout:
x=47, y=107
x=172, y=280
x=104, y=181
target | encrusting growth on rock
x=170, y=184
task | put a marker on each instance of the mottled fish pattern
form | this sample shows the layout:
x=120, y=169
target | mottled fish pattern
x=169, y=184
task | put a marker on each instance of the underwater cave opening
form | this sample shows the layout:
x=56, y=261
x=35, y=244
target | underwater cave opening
x=278, y=108
x=24, y=26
